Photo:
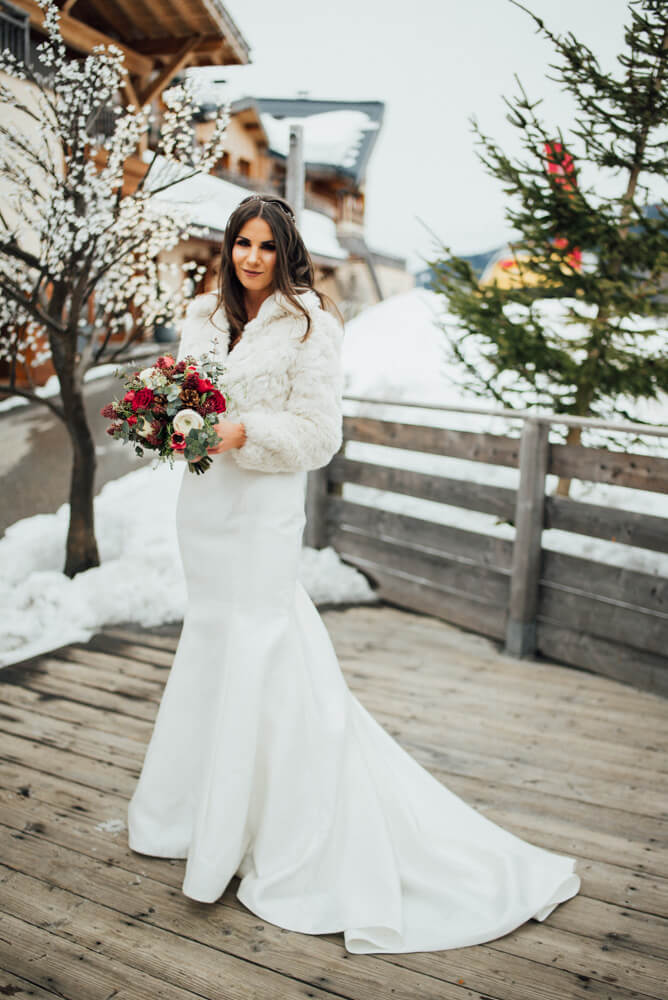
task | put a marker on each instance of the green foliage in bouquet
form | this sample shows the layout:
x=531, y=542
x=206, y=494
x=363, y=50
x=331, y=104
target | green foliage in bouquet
x=171, y=408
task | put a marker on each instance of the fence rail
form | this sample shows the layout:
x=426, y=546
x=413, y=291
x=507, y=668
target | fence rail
x=584, y=612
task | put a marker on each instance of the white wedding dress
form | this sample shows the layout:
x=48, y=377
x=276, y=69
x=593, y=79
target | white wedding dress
x=263, y=763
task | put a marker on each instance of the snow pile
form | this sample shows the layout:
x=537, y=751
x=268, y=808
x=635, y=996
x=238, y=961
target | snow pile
x=140, y=578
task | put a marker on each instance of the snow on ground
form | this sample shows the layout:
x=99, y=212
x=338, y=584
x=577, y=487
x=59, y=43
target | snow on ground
x=395, y=351
x=140, y=578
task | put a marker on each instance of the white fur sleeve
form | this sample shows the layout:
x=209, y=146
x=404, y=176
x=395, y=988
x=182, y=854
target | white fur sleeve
x=307, y=433
x=194, y=326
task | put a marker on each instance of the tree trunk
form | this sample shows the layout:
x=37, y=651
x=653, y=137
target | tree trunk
x=81, y=553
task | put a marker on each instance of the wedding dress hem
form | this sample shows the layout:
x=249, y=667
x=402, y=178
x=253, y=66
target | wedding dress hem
x=379, y=938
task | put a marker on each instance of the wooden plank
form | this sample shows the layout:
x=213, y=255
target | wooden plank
x=128, y=650
x=469, y=546
x=612, y=659
x=89, y=919
x=87, y=683
x=611, y=583
x=493, y=449
x=97, y=658
x=626, y=742
x=64, y=811
x=598, y=465
x=74, y=971
x=448, y=573
x=37, y=793
x=510, y=711
x=406, y=592
x=50, y=697
x=529, y=516
x=167, y=965
x=625, y=624
x=229, y=932
x=84, y=38
x=519, y=701
x=231, y=924
x=108, y=747
x=168, y=72
x=496, y=500
x=22, y=989
x=472, y=660
x=315, y=530
x=612, y=523
x=484, y=748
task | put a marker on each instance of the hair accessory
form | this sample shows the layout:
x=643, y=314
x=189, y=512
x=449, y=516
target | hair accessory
x=271, y=200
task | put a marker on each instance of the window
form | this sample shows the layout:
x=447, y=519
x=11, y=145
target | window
x=244, y=167
x=14, y=31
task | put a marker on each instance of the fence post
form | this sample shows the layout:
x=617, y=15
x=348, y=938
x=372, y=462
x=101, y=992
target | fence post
x=315, y=530
x=529, y=516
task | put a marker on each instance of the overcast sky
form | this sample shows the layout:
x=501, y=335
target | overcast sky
x=434, y=63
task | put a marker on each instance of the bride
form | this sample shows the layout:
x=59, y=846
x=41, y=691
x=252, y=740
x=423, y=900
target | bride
x=262, y=763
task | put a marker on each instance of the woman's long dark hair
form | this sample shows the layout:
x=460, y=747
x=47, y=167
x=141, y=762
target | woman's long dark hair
x=294, y=271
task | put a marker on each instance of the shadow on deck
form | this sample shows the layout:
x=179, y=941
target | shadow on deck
x=571, y=761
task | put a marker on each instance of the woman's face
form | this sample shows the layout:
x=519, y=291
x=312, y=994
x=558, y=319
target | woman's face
x=254, y=255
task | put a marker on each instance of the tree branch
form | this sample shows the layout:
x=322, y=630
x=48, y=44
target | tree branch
x=34, y=398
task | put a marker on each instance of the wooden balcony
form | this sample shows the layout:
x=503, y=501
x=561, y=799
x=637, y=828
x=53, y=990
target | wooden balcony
x=571, y=761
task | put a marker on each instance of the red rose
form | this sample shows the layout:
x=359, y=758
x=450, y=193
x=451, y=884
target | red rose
x=218, y=401
x=142, y=399
x=129, y=396
x=204, y=385
x=178, y=441
x=132, y=420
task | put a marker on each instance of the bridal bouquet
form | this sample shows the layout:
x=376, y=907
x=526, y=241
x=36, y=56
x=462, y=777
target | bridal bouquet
x=171, y=408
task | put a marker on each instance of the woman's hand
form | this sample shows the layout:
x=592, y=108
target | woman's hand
x=231, y=436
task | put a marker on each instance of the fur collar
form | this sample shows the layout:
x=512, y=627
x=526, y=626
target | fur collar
x=276, y=304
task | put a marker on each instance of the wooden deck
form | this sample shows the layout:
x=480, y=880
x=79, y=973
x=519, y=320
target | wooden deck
x=575, y=762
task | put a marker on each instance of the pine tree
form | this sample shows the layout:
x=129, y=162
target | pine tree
x=603, y=257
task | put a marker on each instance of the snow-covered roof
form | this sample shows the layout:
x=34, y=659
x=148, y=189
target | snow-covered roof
x=210, y=201
x=338, y=135
x=330, y=137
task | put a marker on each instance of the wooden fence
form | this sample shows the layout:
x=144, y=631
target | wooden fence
x=579, y=611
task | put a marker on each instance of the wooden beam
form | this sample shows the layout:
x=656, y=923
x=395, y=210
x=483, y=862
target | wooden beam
x=170, y=71
x=82, y=37
x=529, y=518
x=168, y=46
x=114, y=18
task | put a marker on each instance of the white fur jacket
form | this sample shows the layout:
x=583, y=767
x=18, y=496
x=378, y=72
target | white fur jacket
x=287, y=394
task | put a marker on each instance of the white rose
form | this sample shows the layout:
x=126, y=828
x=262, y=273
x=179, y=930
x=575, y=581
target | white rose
x=187, y=420
x=151, y=377
x=145, y=427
